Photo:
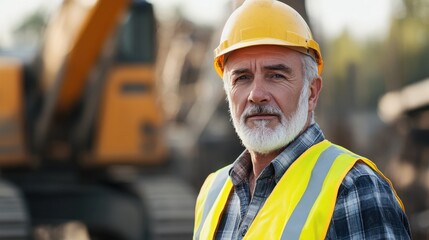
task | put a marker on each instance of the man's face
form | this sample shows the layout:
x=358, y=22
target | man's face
x=268, y=104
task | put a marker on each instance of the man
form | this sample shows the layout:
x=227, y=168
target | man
x=290, y=182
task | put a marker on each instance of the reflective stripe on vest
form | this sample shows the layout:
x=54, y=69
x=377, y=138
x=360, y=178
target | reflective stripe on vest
x=302, y=203
x=300, y=214
x=218, y=181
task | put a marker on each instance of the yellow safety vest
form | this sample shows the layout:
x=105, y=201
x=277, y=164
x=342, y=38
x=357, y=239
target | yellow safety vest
x=300, y=206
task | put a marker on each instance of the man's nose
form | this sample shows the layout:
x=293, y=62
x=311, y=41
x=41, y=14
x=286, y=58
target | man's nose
x=259, y=93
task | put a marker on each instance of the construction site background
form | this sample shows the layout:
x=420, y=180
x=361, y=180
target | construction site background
x=374, y=101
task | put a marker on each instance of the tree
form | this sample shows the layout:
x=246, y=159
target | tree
x=28, y=33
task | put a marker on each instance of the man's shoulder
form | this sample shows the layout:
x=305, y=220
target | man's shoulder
x=363, y=179
x=366, y=196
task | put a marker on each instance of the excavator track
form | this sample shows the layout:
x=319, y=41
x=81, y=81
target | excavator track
x=14, y=223
x=170, y=202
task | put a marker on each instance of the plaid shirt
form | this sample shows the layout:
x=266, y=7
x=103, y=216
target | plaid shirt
x=366, y=207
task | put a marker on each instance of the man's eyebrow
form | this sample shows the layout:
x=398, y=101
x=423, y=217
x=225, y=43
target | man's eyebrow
x=240, y=71
x=280, y=67
x=277, y=67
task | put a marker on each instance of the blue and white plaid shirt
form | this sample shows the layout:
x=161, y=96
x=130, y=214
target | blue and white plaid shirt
x=366, y=207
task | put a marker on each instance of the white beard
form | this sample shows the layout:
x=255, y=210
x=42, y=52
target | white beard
x=263, y=139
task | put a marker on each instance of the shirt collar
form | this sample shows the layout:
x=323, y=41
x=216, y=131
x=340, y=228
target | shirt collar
x=243, y=165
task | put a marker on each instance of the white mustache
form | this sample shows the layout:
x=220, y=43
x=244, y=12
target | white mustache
x=260, y=109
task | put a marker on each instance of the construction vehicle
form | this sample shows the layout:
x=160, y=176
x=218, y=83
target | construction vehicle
x=406, y=112
x=82, y=133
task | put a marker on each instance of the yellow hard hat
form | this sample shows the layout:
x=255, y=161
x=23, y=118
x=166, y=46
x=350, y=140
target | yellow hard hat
x=266, y=22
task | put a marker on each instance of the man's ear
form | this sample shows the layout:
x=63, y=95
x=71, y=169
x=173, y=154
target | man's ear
x=315, y=88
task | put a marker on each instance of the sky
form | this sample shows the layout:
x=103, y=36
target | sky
x=363, y=18
x=12, y=12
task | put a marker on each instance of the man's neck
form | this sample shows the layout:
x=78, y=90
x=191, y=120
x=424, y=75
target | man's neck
x=259, y=163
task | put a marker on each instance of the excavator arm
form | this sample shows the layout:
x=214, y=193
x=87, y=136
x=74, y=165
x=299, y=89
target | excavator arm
x=73, y=42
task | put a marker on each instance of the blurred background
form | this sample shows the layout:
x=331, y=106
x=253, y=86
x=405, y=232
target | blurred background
x=111, y=114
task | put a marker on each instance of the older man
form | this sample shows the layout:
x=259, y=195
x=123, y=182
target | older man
x=290, y=182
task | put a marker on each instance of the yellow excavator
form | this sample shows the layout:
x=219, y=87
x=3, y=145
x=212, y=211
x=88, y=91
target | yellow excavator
x=82, y=133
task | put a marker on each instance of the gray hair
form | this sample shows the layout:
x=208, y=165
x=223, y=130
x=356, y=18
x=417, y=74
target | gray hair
x=310, y=73
x=309, y=68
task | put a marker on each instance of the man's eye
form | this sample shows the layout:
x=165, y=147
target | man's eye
x=242, y=78
x=277, y=76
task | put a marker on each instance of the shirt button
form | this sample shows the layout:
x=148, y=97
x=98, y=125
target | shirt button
x=244, y=231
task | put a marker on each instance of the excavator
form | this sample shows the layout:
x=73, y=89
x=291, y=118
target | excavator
x=82, y=132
